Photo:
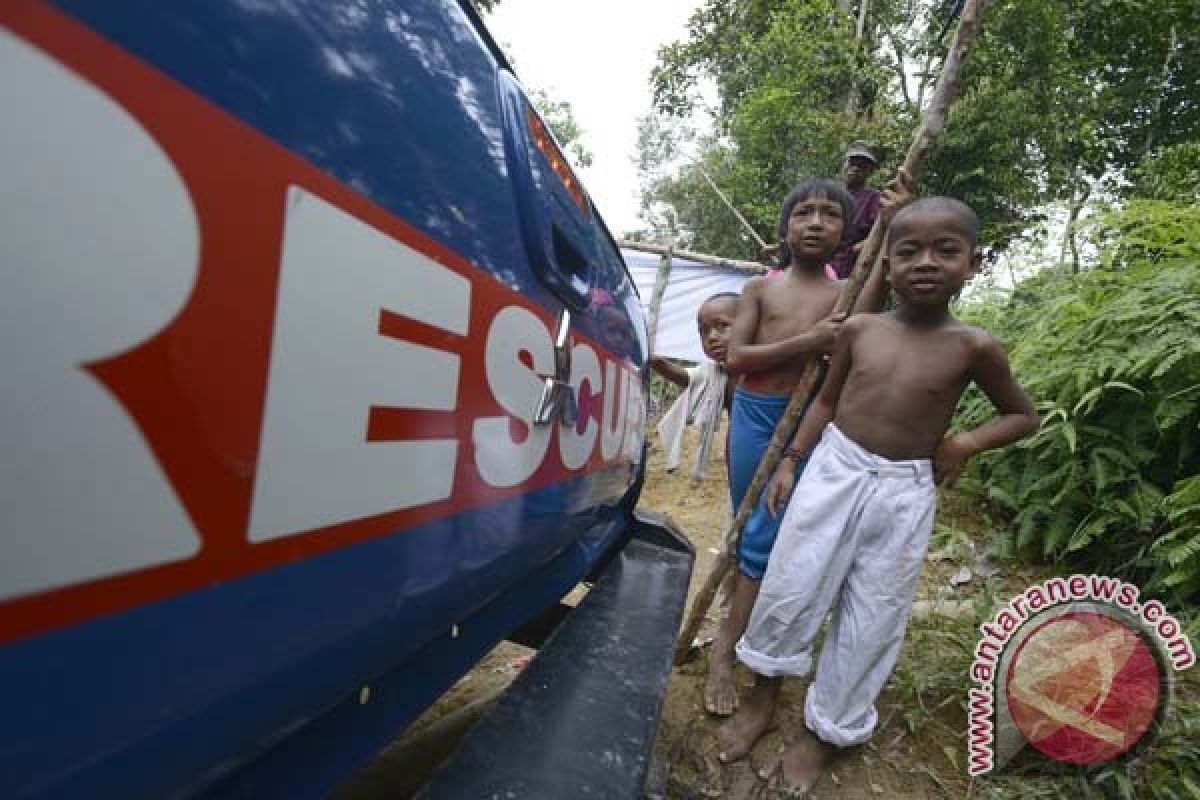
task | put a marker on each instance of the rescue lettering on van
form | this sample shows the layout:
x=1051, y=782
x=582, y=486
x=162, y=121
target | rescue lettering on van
x=325, y=380
x=230, y=360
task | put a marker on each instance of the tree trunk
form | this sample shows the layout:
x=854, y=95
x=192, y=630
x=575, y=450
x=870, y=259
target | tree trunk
x=852, y=95
x=1076, y=207
x=1172, y=44
x=898, y=49
x=864, y=6
x=1071, y=213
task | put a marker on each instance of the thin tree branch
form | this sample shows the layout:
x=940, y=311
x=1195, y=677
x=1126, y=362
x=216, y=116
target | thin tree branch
x=1172, y=44
x=749, y=228
x=898, y=49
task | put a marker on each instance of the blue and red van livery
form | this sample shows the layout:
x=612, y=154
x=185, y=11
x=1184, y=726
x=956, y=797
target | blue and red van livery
x=322, y=376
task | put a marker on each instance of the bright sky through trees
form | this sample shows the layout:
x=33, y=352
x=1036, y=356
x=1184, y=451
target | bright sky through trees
x=597, y=57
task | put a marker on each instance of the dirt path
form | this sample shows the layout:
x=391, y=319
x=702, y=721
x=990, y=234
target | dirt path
x=917, y=752
x=686, y=733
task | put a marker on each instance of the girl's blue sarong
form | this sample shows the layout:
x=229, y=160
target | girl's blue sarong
x=752, y=423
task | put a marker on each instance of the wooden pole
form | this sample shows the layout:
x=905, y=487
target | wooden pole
x=660, y=288
x=933, y=122
x=753, y=233
x=733, y=264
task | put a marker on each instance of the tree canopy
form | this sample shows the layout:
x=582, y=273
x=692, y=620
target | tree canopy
x=560, y=118
x=1059, y=97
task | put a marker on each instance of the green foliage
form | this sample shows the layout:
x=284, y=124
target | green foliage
x=719, y=33
x=1169, y=769
x=678, y=205
x=1142, y=60
x=560, y=118
x=793, y=122
x=796, y=84
x=1112, y=358
x=795, y=87
x=1146, y=230
x=1056, y=96
x=1170, y=173
x=1022, y=133
x=1177, y=553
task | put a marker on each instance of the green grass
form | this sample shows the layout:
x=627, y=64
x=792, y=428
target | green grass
x=925, y=702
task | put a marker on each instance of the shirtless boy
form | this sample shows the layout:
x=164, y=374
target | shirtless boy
x=781, y=324
x=858, y=523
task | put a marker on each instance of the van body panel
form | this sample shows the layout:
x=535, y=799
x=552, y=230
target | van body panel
x=321, y=155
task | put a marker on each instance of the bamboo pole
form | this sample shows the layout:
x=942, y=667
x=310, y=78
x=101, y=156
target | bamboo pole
x=933, y=122
x=733, y=264
x=728, y=204
x=660, y=288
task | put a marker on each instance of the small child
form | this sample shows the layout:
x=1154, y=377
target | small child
x=782, y=323
x=706, y=387
x=858, y=523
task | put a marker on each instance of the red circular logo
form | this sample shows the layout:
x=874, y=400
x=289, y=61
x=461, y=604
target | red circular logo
x=1083, y=687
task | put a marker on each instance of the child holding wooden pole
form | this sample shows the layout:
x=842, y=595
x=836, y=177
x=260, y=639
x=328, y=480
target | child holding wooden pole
x=854, y=535
x=782, y=324
x=933, y=120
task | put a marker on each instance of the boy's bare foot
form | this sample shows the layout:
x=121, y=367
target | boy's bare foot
x=737, y=737
x=799, y=767
x=720, y=689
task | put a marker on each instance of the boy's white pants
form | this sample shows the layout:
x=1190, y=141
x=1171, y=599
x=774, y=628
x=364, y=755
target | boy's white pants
x=854, y=535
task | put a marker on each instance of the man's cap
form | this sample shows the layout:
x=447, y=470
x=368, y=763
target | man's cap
x=862, y=149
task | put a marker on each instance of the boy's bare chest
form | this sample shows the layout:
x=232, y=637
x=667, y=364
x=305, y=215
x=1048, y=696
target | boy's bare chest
x=931, y=370
x=787, y=311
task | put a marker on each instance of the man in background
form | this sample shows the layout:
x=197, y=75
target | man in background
x=858, y=165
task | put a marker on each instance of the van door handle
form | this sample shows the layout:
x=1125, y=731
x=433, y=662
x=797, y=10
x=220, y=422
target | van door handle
x=553, y=212
x=558, y=400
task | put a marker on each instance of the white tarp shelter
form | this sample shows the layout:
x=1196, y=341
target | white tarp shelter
x=690, y=284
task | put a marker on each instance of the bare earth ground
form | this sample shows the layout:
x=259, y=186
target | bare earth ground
x=918, y=750
x=908, y=756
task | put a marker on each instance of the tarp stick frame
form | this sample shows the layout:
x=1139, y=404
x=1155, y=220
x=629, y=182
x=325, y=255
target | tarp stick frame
x=660, y=288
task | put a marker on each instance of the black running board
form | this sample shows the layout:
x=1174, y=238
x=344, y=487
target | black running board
x=580, y=720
